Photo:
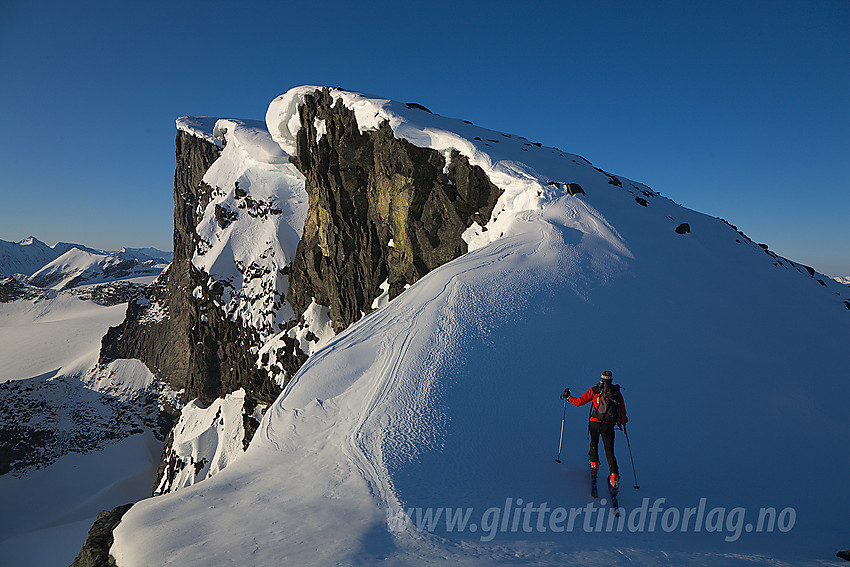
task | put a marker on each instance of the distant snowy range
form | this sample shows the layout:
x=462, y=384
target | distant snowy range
x=355, y=353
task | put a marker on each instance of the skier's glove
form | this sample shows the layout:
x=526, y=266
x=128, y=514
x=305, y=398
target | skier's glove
x=566, y=394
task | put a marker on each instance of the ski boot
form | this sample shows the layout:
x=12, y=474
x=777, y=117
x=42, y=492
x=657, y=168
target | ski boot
x=594, y=472
x=614, y=489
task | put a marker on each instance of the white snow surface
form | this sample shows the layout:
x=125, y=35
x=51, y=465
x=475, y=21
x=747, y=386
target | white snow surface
x=52, y=345
x=46, y=515
x=91, y=267
x=130, y=379
x=733, y=362
x=54, y=336
x=206, y=439
x=248, y=253
x=316, y=320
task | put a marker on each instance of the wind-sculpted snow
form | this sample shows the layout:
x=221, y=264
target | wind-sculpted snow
x=250, y=228
x=529, y=173
x=732, y=362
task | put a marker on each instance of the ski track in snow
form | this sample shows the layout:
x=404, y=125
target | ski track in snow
x=364, y=446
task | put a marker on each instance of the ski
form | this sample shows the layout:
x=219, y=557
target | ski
x=594, y=472
x=614, y=490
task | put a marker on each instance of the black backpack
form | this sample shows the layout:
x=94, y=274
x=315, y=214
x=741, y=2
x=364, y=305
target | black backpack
x=609, y=408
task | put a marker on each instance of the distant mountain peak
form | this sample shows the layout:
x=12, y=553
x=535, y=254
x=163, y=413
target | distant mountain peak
x=30, y=255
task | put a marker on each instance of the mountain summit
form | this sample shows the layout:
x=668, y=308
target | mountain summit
x=372, y=311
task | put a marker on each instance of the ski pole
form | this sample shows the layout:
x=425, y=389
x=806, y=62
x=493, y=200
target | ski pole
x=558, y=460
x=626, y=431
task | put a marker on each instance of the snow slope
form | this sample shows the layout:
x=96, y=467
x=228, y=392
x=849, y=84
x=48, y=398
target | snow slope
x=59, y=335
x=251, y=227
x=78, y=266
x=91, y=426
x=207, y=439
x=46, y=515
x=28, y=255
x=732, y=361
x=248, y=234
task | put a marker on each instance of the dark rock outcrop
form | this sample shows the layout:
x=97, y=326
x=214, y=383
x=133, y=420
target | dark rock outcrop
x=12, y=289
x=110, y=293
x=195, y=346
x=165, y=345
x=186, y=338
x=683, y=228
x=381, y=209
x=574, y=189
x=365, y=190
x=95, y=551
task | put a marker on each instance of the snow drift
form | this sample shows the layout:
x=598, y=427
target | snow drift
x=732, y=361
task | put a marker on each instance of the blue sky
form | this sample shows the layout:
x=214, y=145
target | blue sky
x=736, y=109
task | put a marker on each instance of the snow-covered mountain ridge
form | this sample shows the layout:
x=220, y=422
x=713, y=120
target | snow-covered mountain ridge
x=520, y=262
x=31, y=255
x=28, y=255
x=77, y=267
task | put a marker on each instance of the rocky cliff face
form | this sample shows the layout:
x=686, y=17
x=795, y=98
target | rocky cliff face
x=157, y=329
x=95, y=552
x=183, y=337
x=381, y=210
x=382, y=213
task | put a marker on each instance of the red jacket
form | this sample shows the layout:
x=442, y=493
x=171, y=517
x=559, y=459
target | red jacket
x=589, y=395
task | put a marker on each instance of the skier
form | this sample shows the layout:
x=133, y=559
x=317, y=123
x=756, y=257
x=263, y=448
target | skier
x=607, y=412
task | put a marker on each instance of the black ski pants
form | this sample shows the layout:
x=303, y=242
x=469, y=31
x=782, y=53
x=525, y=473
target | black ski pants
x=606, y=432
